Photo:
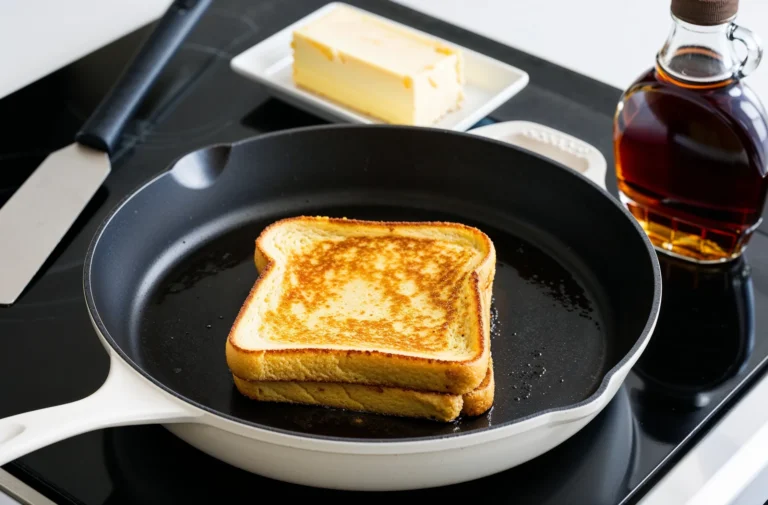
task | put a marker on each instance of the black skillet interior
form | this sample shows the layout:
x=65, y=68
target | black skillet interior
x=575, y=284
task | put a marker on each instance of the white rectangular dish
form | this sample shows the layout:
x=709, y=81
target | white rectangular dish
x=489, y=82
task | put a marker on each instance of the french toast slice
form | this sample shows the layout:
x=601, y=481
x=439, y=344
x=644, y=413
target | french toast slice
x=399, y=304
x=385, y=400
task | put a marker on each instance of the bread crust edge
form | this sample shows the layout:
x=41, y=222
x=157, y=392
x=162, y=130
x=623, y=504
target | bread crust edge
x=375, y=399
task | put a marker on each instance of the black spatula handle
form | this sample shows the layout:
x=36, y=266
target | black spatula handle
x=102, y=130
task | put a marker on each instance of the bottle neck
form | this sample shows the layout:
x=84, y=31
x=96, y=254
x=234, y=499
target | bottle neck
x=699, y=54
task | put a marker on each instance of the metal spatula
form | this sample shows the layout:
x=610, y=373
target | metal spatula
x=41, y=211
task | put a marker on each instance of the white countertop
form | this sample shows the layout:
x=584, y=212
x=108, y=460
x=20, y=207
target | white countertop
x=610, y=40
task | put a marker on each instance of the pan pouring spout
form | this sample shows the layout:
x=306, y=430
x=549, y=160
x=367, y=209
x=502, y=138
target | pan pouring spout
x=200, y=169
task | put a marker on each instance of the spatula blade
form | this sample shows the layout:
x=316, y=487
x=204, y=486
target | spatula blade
x=42, y=210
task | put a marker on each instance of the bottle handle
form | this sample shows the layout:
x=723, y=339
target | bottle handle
x=754, y=47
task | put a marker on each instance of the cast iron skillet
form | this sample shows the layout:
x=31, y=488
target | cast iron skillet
x=575, y=299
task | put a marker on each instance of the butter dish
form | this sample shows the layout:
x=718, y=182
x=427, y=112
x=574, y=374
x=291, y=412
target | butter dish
x=488, y=82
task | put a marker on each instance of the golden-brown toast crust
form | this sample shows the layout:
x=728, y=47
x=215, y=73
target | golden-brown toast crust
x=375, y=399
x=480, y=400
x=327, y=266
x=372, y=367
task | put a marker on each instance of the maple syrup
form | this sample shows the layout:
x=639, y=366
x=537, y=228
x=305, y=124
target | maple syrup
x=691, y=142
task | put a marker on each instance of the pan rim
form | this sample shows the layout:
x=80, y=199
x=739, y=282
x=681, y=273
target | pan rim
x=594, y=399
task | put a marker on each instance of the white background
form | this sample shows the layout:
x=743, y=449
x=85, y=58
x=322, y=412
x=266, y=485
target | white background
x=610, y=40
x=613, y=41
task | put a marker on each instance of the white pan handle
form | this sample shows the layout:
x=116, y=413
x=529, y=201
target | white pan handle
x=553, y=144
x=125, y=398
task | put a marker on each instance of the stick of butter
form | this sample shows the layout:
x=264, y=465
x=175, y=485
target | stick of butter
x=377, y=68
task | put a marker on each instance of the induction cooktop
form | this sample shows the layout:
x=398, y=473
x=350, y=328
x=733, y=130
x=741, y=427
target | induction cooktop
x=710, y=344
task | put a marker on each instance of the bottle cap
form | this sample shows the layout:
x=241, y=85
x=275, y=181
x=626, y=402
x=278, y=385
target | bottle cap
x=705, y=12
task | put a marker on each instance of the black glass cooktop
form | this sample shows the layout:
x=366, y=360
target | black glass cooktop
x=710, y=343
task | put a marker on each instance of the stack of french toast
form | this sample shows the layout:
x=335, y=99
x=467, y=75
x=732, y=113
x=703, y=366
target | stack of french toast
x=370, y=316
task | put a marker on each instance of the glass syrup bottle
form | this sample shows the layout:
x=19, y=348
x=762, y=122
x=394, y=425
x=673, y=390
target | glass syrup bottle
x=691, y=139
